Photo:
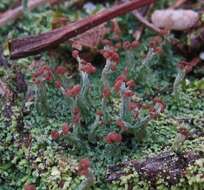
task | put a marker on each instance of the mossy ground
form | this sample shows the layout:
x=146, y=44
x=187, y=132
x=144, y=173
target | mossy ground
x=49, y=164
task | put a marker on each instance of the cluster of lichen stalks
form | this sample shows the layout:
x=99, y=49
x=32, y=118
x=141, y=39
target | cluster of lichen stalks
x=132, y=116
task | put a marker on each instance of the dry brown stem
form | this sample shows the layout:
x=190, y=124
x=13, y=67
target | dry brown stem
x=177, y=4
x=36, y=44
x=144, y=21
x=141, y=18
x=13, y=14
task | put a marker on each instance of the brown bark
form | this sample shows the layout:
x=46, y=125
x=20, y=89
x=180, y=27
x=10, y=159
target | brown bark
x=36, y=44
x=167, y=165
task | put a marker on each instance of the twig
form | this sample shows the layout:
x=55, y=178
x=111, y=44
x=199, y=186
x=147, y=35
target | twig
x=144, y=21
x=33, y=45
x=177, y=4
x=13, y=14
x=138, y=33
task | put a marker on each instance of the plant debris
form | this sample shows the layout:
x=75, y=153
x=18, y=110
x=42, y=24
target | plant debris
x=32, y=45
x=167, y=165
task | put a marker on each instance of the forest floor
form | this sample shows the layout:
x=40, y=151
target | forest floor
x=167, y=152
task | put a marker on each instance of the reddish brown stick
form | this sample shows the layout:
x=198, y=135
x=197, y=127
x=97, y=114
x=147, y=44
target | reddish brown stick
x=177, y=4
x=144, y=21
x=13, y=14
x=32, y=45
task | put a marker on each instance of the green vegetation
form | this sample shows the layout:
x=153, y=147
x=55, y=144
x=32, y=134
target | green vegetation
x=31, y=112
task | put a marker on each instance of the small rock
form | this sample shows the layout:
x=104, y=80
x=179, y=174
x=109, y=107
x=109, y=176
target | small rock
x=175, y=19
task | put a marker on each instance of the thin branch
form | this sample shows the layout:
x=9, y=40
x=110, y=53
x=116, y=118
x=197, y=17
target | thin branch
x=177, y=4
x=13, y=14
x=138, y=33
x=36, y=44
x=144, y=21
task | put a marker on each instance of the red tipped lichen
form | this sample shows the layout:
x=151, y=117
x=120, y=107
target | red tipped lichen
x=113, y=137
x=111, y=55
x=184, y=131
x=134, y=106
x=55, y=135
x=160, y=103
x=75, y=53
x=60, y=70
x=44, y=73
x=88, y=68
x=118, y=82
x=188, y=66
x=76, y=115
x=120, y=124
x=153, y=113
x=65, y=129
x=74, y=91
x=131, y=84
x=106, y=92
x=29, y=187
x=128, y=93
x=58, y=84
x=84, y=165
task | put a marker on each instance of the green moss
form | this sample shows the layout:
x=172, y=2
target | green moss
x=47, y=163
